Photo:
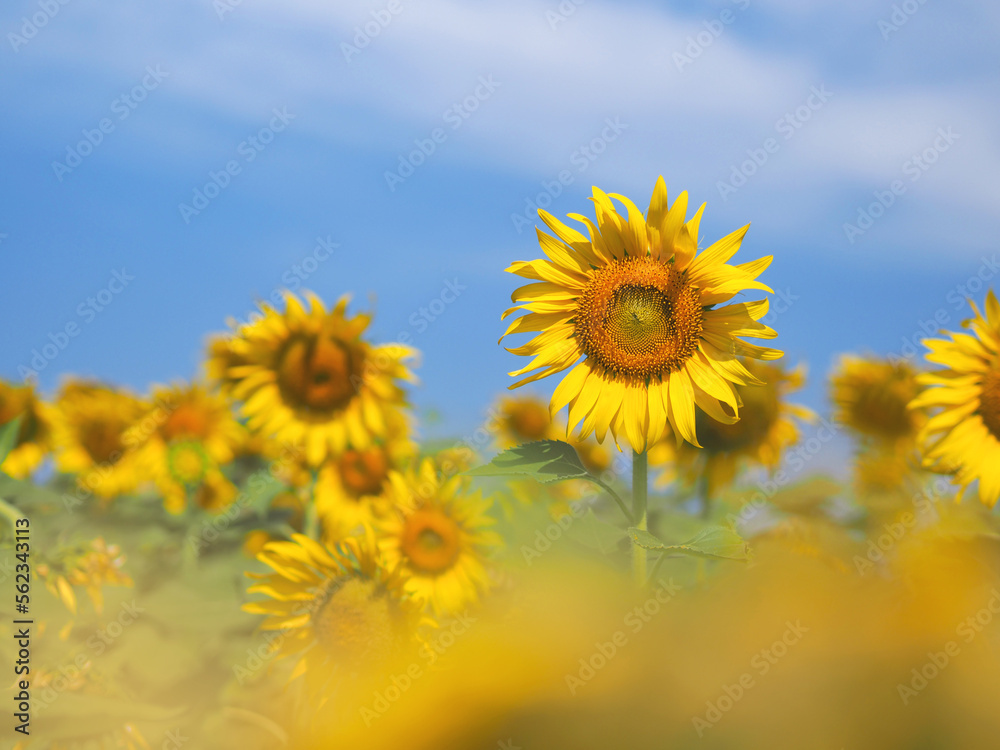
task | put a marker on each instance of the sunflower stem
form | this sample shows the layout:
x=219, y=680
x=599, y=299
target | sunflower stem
x=614, y=496
x=639, y=489
x=310, y=525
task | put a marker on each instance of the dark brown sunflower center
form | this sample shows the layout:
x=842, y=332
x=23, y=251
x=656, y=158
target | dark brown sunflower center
x=757, y=415
x=102, y=440
x=880, y=408
x=364, y=472
x=639, y=318
x=355, y=621
x=318, y=373
x=430, y=541
x=529, y=421
x=989, y=402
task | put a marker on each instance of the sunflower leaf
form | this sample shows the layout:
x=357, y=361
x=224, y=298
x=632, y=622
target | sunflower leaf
x=8, y=437
x=544, y=460
x=714, y=541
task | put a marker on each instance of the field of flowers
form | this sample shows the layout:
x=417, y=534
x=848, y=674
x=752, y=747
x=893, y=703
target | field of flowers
x=270, y=556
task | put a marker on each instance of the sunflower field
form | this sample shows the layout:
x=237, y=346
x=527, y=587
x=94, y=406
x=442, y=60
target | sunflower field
x=272, y=556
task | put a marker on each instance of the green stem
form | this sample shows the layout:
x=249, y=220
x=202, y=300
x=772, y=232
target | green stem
x=639, y=489
x=614, y=495
x=311, y=522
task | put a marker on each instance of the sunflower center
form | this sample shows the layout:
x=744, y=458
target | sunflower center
x=186, y=420
x=364, y=472
x=102, y=441
x=431, y=541
x=639, y=318
x=757, y=415
x=529, y=421
x=355, y=621
x=316, y=373
x=881, y=408
x=187, y=461
x=989, y=402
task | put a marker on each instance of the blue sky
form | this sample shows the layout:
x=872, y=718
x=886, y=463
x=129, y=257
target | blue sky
x=792, y=116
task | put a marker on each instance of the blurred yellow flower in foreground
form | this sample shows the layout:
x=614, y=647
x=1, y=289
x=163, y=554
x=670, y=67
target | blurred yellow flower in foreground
x=639, y=303
x=306, y=377
x=963, y=436
x=34, y=436
x=438, y=533
x=337, y=608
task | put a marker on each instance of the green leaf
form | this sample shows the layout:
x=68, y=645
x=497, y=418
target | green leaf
x=544, y=460
x=714, y=541
x=8, y=437
x=592, y=532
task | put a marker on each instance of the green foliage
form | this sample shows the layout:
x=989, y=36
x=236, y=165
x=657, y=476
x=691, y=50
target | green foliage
x=545, y=461
x=714, y=541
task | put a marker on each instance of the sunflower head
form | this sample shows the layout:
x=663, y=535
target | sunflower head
x=766, y=427
x=34, y=435
x=439, y=535
x=962, y=436
x=871, y=396
x=95, y=439
x=640, y=306
x=339, y=606
x=523, y=420
x=308, y=377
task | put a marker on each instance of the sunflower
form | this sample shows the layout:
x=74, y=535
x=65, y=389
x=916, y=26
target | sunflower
x=639, y=304
x=195, y=433
x=871, y=396
x=439, y=536
x=34, y=436
x=95, y=439
x=350, y=488
x=308, y=378
x=963, y=437
x=765, y=428
x=527, y=420
x=339, y=609
x=92, y=566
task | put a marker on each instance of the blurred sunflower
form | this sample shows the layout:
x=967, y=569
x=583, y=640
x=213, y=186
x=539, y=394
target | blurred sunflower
x=350, y=488
x=94, y=439
x=308, y=378
x=439, y=536
x=338, y=608
x=92, y=566
x=765, y=428
x=527, y=419
x=871, y=396
x=638, y=303
x=195, y=434
x=34, y=436
x=963, y=436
